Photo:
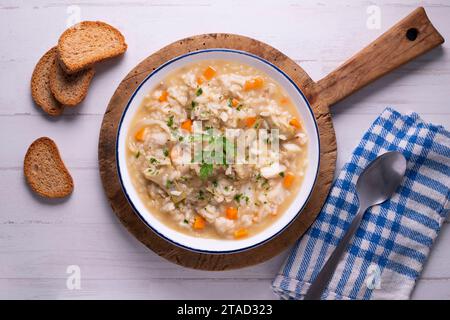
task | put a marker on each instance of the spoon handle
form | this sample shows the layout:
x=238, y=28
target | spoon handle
x=321, y=281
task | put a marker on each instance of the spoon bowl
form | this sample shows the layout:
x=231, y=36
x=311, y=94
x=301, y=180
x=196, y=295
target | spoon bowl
x=380, y=179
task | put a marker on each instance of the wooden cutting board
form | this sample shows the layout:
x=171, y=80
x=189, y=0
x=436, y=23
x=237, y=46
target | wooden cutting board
x=408, y=39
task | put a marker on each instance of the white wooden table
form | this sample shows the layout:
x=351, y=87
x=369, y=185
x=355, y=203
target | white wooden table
x=40, y=239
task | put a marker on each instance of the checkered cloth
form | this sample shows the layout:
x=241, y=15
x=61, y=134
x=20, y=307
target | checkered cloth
x=387, y=253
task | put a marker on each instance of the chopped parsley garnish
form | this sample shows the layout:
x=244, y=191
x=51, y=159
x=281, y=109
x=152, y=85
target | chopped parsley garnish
x=170, y=122
x=166, y=152
x=238, y=197
x=199, y=92
x=180, y=138
x=230, y=102
x=193, y=104
x=137, y=154
x=218, y=150
x=206, y=169
x=169, y=183
x=151, y=171
x=185, y=221
x=239, y=107
x=153, y=161
x=281, y=174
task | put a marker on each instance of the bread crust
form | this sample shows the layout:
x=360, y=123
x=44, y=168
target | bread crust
x=48, y=182
x=40, y=85
x=69, y=89
x=71, y=65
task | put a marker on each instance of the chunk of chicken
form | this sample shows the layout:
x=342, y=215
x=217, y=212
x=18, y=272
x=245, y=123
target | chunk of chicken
x=272, y=171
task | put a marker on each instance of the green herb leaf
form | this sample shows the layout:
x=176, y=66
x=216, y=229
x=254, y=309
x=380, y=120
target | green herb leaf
x=265, y=184
x=238, y=197
x=137, y=154
x=166, y=152
x=281, y=174
x=206, y=169
x=199, y=92
x=153, y=161
x=170, y=122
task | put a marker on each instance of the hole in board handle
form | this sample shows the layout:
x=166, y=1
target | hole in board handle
x=412, y=34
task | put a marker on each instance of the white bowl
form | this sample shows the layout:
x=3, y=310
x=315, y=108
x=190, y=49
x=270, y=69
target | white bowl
x=216, y=245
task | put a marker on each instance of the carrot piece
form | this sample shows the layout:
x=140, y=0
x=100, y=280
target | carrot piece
x=256, y=83
x=250, y=121
x=163, y=96
x=199, y=80
x=232, y=213
x=284, y=100
x=187, y=125
x=259, y=82
x=288, y=180
x=140, y=135
x=295, y=123
x=234, y=102
x=199, y=223
x=209, y=73
x=240, y=233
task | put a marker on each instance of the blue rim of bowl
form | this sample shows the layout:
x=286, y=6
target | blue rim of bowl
x=118, y=164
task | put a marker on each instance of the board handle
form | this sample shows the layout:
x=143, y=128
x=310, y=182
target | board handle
x=409, y=38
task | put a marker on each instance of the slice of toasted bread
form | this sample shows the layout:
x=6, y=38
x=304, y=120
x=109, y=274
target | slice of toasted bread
x=69, y=89
x=40, y=85
x=45, y=171
x=88, y=42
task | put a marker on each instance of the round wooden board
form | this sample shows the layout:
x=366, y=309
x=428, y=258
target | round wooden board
x=110, y=179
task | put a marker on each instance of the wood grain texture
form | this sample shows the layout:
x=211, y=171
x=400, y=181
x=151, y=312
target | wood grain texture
x=383, y=55
x=111, y=183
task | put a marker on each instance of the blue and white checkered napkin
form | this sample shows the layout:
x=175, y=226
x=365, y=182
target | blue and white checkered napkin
x=388, y=252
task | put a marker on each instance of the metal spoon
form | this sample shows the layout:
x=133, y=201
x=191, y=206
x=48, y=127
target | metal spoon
x=375, y=185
